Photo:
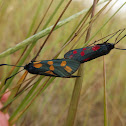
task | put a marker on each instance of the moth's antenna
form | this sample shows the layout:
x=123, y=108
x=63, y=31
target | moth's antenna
x=119, y=34
x=10, y=65
x=12, y=75
x=120, y=39
x=120, y=49
x=112, y=35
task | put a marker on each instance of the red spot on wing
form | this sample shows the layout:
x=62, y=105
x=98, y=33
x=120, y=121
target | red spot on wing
x=84, y=48
x=86, y=59
x=70, y=56
x=74, y=52
x=95, y=48
x=82, y=53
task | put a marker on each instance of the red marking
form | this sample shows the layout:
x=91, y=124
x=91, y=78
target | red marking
x=82, y=53
x=74, y=52
x=86, y=59
x=70, y=56
x=84, y=48
x=95, y=48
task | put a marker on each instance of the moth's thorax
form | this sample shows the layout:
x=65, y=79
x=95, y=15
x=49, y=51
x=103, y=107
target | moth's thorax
x=110, y=46
x=105, y=48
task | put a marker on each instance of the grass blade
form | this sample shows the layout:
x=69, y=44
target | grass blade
x=105, y=100
x=39, y=35
x=78, y=83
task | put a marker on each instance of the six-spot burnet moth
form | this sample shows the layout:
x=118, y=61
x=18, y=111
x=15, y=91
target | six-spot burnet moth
x=71, y=62
x=91, y=52
x=55, y=68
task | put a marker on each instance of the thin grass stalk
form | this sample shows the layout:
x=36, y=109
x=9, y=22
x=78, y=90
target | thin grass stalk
x=52, y=30
x=21, y=80
x=1, y=5
x=28, y=51
x=112, y=6
x=39, y=35
x=74, y=33
x=54, y=57
x=74, y=100
x=16, y=69
x=20, y=63
x=11, y=71
x=60, y=115
x=96, y=16
x=105, y=93
x=116, y=111
x=78, y=83
x=92, y=20
x=43, y=17
x=25, y=99
x=90, y=24
x=26, y=85
x=53, y=14
x=4, y=7
x=34, y=20
x=77, y=30
x=31, y=47
x=3, y=82
x=27, y=104
x=31, y=100
x=20, y=60
x=87, y=114
x=10, y=89
x=67, y=42
x=103, y=25
x=26, y=72
x=17, y=88
x=82, y=22
x=13, y=93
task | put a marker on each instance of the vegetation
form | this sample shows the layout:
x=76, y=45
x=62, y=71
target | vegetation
x=96, y=98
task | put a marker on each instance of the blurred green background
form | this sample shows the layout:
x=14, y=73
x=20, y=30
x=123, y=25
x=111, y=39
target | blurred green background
x=50, y=108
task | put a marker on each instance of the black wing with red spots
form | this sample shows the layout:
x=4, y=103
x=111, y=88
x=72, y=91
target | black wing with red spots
x=55, y=67
x=89, y=53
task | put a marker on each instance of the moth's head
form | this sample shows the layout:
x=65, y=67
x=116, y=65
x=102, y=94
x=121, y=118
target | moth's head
x=110, y=46
x=27, y=66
